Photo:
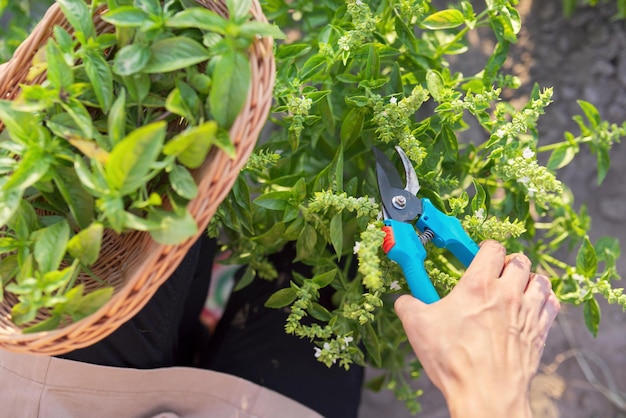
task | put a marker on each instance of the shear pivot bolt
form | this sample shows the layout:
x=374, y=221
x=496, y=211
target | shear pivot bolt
x=399, y=202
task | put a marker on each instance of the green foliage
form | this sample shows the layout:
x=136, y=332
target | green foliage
x=355, y=74
x=109, y=137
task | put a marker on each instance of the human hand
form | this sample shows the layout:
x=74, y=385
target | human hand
x=482, y=343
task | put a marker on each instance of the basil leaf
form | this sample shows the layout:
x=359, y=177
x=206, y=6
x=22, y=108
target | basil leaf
x=131, y=159
x=50, y=245
x=175, y=53
x=192, y=145
x=231, y=82
x=86, y=244
x=182, y=182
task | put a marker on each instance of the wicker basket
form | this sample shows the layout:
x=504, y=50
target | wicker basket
x=133, y=263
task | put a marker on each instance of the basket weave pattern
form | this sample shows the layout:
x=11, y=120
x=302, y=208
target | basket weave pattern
x=133, y=263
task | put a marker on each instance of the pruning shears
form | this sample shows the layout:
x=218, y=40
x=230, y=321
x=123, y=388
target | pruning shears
x=403, y=212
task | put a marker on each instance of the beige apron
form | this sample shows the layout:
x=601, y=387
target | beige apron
x=39, y=386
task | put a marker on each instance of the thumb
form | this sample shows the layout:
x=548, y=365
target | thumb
x=406, y=306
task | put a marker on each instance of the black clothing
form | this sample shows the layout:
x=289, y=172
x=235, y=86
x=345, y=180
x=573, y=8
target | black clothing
x=249, y=342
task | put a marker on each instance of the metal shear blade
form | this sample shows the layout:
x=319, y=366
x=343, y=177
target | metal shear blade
x=399, y=201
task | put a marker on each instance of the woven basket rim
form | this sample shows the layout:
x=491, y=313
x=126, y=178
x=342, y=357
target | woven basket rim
x=214, y=178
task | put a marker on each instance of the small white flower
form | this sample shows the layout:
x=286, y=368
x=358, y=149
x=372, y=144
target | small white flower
x=318, y=352
x=528, y=153
x=578, y=277
x=480, y=214
x=393, y=100
x=524, y=180
x=359, y=2
x=326, y=346
x=394, y=285
x=532, y=191
x=357, y=247
x=347, y=340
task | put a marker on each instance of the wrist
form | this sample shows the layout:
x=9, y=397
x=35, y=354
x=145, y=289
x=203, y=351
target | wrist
x=492, y=403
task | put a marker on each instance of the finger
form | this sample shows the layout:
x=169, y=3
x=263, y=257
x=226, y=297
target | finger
x=406, y=306
x=550, y=310
x=533, y=301
x=537, y=292
x=516, y=273
x=488, y=263
x=547, y=316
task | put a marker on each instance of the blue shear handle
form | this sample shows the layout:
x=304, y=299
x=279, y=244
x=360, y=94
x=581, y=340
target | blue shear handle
x=448, y=232
x=409, y=253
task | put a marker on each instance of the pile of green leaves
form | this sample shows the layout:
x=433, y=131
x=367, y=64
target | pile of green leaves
x=355, y=74
x=109, y=139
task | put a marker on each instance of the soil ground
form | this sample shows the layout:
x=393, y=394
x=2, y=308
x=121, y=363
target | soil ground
x=581, y=57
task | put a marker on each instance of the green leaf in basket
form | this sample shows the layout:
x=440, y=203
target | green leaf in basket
x=78, y=199
x=231, y=82
x=91, y=302
x=53, y=281
x=101, y=78
x=138, y=86
x=50, y=245
x=94, y=182
x=174, y=228
x=22, y=126
x=223, y=142
x=46, y=325
x=116, y=120
x=126, y=17
x=132, y=221
x=81, y=116
x=183, y=101
x=9, y=203
x=59, y=73
x=33, y=165
x=238, y=9
x=200, y=18
x=131, y=159
x=8, y=268
x=77, y=13
x=182, y=182
x=131, y=59
x=175, y=53
x=22, y=313
x=192, y=145
x=113, y=209
x=86, y=244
